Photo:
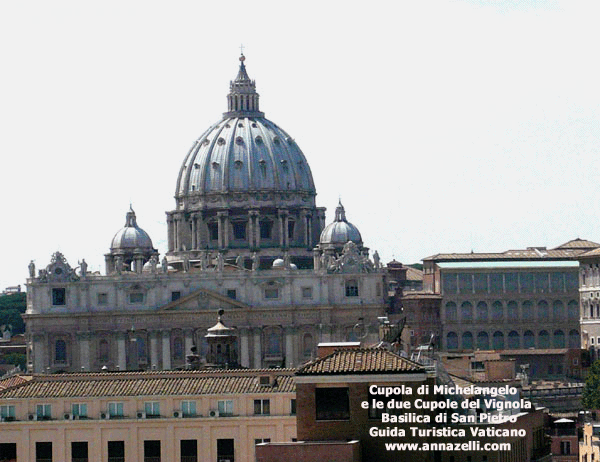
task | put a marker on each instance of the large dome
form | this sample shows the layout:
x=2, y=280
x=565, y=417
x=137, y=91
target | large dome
x=244, y=188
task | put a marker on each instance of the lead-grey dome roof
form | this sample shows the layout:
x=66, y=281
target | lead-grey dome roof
x=131, y=236
x=244, y=152
x=340, y=231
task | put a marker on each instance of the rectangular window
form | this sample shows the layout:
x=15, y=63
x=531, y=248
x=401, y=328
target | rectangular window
x=239, y=231
x=526, y=283
x=136, y=297
x=213, y=231
x=261, y=440
x=481, y=285
x=103, y=299
x=188, y=408
x=352, y=288
x=291, y=230
x=449, y=285
x=59, y=296
x=272, y=293
x=542, y=282
x=332, y=403
x=496, y=283
x=262, y=407
x=79, y=410
x=43, y=452
x=307, y=293
x=152, y=408
x=43, y=411
x=565, y=448
x=152, y=451
x=557, y=282
x=225, y=450
x=225, y=407
x=293, y=407
x=265, y=229
x=465, y=283
x=189, y=450
x=115, y=410
x=175, y=295
x=232, y=294
x=512, y=282
x=7, y=413
x=572, y=281
x=79, y=451
x=116, y=451
x=8, y=451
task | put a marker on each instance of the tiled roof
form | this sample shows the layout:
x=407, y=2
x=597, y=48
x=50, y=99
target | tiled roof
x=359, y=361
x=590, y=253
x=414, y=274
x=157, y=384
x=14, y=381
x=579, y=244
x=517, y=254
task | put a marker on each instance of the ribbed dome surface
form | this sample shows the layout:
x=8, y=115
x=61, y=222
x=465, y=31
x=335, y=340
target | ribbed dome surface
x=340, y=231
x=131, y=236
x=244, y=154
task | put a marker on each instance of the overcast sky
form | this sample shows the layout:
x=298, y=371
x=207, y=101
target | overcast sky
x=444, y=126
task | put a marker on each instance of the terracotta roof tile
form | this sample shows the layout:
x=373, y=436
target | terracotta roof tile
x=191, y=383
x=578, y=244
x=359, y=361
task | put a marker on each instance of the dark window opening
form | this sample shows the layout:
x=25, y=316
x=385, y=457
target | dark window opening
x=60, y=352
x=351, y=288
x=272, y=293
x=152, y=451
x=291, y=226
x=213, y=231
x=332, y=403
x=189, y=451
x=239, y=230
x=262, y=407
x=265, y=229
x=116, y=451
x=43, y=452
x=136, y=297
x=59, y=296
x=232, y=294
x=293, y=407
x=79, y=451
x=225, y=450
x=176, y=295
x=8, y=451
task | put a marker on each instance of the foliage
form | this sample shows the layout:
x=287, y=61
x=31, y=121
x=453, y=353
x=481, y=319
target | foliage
x=17, y=359
x=591, y=392
x=16, y=301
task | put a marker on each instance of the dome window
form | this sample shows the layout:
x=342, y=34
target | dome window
x=221, y=141
x=215, y=165
x=239, y=140
x=290, y=140
x=227, y=126
x=276, y=140
x=258, y=140
x=254, y=125
x=238, y=164
x=241, y=125
x=206, y=142
x=196, y=166
x=284, y=165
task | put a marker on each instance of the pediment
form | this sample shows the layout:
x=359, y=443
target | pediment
x=203, y=299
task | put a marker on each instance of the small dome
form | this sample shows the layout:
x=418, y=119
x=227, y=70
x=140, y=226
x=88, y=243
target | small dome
x=131, y=236
x=340, y=231
x=278, y=263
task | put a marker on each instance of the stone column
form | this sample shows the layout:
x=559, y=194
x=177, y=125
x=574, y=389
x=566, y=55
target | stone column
x=166, y=350
x=194, y=233
x=244, y=347
x=290, y=351
x=256, y=332
x=251, y=234
x=257, y=230
x=39, y=352
x=325, y=334
x=83, y=338
x=122, y=350
x=309, y=242
x=170, y=233
x=153, y=349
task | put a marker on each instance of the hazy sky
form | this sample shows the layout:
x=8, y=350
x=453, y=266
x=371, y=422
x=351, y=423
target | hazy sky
x=444, y=126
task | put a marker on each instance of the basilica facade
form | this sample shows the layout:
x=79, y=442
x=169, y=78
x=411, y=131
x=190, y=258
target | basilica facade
x=245, y=237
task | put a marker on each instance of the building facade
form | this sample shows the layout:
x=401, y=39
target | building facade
x=245, y=236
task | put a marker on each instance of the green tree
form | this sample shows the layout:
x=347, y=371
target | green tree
x=14, y=301
x=591, y=392
x=16, y=359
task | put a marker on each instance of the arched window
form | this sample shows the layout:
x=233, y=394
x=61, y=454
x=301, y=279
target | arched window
x=512, y=311
x=141, y=349
x=559, y=339
x=498, y=341
x=103, y=354
x=452, y=341
x=482, y=311
x=513, y=340
x=528, y=339
x=451, y=312
x=574, y=340
x=60, y=351
x=466, y=311
x=274, y=343
x=558, y=310
x=573, y=309
x=307, y=345
x=544, y=339
x=467, y=341
x=497, y=311
x=527, y=311
x=178, y=353
x=543, y=311
x=483, y=341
